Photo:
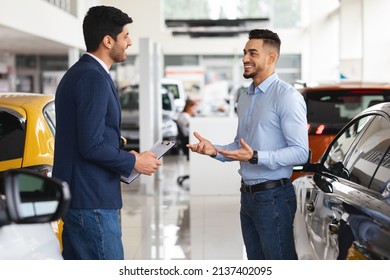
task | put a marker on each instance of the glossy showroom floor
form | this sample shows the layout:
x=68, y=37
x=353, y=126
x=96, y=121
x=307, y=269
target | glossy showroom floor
x=172, y=225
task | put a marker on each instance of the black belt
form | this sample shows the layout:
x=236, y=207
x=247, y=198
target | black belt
x=264, y=186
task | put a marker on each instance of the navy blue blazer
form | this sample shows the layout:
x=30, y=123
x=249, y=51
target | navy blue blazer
x=87, y=151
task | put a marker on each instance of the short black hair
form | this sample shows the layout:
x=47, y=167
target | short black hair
x=101, y=21
x=269, y=37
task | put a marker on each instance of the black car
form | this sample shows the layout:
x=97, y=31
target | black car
x=344, y=200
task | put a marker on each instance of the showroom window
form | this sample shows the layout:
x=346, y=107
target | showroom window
x=281, y=13
x=68, y=6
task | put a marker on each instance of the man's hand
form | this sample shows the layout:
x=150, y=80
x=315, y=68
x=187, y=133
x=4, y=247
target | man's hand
x=242, y=154
x=204, y=146
x=146, y=163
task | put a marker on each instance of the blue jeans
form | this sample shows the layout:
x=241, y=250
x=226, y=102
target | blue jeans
x=267, y=223
x=92, y=234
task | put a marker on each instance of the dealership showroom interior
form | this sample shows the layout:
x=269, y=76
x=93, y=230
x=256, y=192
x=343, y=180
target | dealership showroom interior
x=189, y=209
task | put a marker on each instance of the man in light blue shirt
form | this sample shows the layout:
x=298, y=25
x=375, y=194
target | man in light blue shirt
x=271, y=138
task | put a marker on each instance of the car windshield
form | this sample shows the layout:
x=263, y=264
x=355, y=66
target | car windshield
x=49, y=113
x=129, y=100
x=173, y=89
x=333, y=109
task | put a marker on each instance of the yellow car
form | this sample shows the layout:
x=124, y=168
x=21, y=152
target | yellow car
x=27, y=129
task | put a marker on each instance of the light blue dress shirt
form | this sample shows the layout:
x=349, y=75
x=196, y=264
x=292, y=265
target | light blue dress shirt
x=271, y=120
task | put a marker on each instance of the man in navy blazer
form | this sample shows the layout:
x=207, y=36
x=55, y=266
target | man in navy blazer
x=88, y=151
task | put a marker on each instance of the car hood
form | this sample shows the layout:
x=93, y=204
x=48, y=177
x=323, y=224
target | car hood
x=131, y=118
x=29, y=242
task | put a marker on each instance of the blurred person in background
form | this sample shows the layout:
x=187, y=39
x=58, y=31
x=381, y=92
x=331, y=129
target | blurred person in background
x=183, y=122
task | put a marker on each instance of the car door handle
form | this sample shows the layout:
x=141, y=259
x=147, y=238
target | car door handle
x=334, y=226
x=310, y=207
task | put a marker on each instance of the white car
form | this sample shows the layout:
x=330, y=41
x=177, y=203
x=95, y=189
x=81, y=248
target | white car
x=129, y=99
x=28, y=203
x=175, y=87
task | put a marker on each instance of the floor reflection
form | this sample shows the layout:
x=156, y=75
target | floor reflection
x=173, y=225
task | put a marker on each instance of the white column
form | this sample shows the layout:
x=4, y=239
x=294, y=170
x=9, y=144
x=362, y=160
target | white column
x=73, y=56
x=157, y=70
x=351, y=39
x=147, y=104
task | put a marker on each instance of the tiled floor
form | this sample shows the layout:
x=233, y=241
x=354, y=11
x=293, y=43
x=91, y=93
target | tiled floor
x=172, y=224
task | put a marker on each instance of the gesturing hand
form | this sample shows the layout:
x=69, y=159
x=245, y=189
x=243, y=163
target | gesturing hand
x=242, y=154
x=204, y=146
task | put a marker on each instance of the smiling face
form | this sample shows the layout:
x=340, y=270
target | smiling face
x=118, y=50
x=259, y=61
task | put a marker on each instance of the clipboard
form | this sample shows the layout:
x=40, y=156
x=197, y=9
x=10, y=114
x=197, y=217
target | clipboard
x=159, y=148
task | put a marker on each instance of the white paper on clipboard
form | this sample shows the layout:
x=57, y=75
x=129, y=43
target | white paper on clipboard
x=159, y=148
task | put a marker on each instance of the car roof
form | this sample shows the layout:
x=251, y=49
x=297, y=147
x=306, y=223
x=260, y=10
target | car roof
x=342, y=85
x=383, y=107
x=25, y=100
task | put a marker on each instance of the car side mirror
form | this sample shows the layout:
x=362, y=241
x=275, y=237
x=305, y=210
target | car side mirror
x=309, y=166
x=301, y=168
x=29, y=197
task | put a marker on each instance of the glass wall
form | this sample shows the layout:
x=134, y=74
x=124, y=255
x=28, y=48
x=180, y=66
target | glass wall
x=282, y=13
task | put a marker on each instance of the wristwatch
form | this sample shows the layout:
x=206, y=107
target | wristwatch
x=254, y=159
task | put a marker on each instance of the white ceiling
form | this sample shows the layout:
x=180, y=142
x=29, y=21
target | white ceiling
x=14, y=41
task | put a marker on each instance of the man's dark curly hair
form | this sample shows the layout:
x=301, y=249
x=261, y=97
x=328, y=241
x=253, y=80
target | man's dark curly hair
x=101, y=21
x=270, y=38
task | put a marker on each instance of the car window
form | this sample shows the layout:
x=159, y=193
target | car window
x=360, y=152
x=342, y=144
x=381, y=179
x=49, y=113
x=371, y=156
x=166, y=102
x=174, y=89
x=12, y=136
x=334, y=108
x=130, y=101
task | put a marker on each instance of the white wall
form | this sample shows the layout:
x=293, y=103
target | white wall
x=376, y=40
x=365, y=43
x=210, y=176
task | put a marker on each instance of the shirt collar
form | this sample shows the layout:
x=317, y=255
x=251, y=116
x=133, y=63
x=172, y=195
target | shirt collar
x=263, y=86
x=100, y=61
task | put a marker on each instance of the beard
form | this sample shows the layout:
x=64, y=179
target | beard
x=117, y=54
x=119, y=58
x=249, y=75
